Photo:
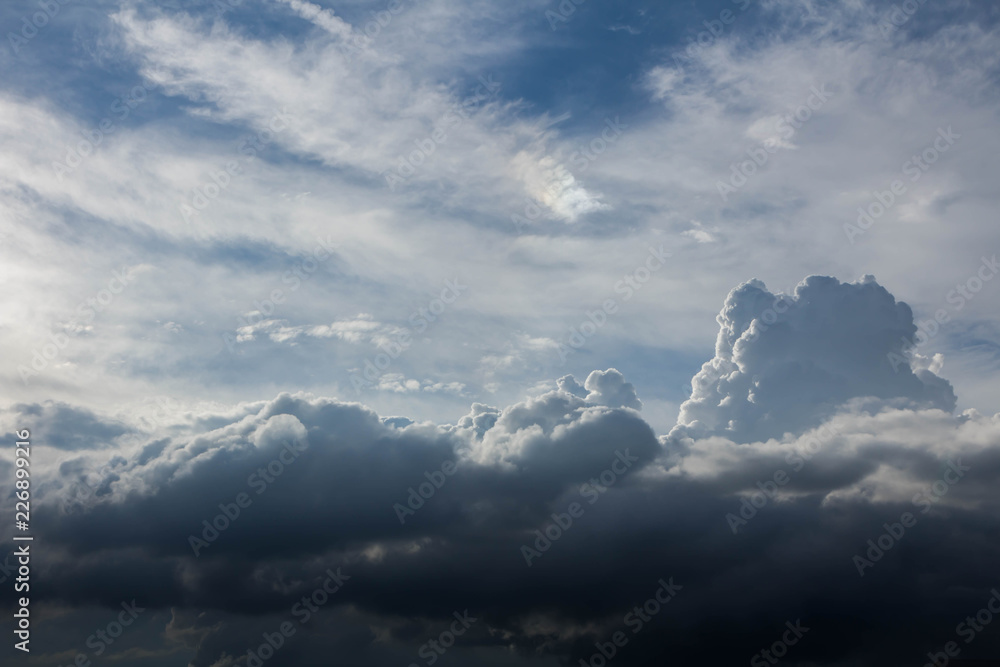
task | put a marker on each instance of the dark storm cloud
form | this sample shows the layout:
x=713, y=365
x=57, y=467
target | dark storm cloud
x=66, y=427
x=872, y=522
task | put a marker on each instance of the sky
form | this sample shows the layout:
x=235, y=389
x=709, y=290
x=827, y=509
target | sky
x=530, y=312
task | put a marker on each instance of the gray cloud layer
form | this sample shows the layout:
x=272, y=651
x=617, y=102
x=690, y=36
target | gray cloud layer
x=759, y=511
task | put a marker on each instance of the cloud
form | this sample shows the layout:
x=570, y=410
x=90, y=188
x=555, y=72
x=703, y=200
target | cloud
x=400, y=384
x=768, y=495
x=699, y=235
x=356, y=330
x=815, y=392
x=551, y=183
x=323, y=18
x=67, y=427
x=603, y=388
x=384, y=107
x=786, y=362
x=669, y=515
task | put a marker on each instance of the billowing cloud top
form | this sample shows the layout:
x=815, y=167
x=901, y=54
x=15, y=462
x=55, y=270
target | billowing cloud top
x=784, y=363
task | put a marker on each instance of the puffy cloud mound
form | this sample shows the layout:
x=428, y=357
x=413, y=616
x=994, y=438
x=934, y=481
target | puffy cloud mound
x=603, y=388
x=784, y=363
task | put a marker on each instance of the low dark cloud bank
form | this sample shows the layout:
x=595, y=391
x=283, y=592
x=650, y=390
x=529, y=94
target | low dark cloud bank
x=809, y=484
